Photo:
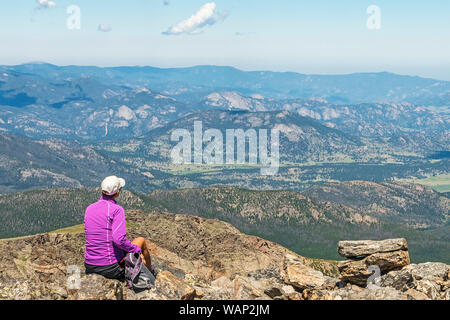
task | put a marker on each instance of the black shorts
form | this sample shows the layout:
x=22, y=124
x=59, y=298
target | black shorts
x=112, y=271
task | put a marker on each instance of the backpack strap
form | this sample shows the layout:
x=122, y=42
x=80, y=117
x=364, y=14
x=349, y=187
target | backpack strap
x=133, y=265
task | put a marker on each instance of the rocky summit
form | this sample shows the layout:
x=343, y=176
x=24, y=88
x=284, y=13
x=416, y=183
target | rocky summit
x=197, y=258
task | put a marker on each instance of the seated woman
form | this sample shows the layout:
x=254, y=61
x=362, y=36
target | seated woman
x=105, y=229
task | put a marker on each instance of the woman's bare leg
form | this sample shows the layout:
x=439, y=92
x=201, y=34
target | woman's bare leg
x=145, y=254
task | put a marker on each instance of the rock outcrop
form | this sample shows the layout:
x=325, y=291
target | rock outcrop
x=366, y=257
x=198, y=258
x=430, y=280
x=394, y=278
x=195, y=258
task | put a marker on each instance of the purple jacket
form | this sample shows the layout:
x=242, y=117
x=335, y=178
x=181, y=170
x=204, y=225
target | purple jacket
x=106, y=231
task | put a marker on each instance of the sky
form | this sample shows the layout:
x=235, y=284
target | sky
x=306, y=36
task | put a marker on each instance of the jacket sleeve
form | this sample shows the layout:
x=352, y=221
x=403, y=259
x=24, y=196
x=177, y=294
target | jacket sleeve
x=119, y=233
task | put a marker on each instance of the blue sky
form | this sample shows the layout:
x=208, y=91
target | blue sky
x=315, y=36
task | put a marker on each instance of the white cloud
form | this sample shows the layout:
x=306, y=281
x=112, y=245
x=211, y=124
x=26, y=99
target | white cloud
x=104, y=27
x=207, y=15
x=45, y=4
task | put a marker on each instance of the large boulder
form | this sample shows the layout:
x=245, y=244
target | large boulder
x=359, y=271
x=388, y=261
x=368, y=257
x=361, y=248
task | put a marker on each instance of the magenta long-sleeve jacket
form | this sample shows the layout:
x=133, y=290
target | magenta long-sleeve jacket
x=106, y=233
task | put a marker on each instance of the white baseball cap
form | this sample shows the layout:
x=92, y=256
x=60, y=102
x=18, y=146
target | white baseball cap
x=112, y=184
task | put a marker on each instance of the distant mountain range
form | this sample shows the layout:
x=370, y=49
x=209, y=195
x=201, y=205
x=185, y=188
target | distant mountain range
x=100, y=120
x=93, y=104
x=348, y=89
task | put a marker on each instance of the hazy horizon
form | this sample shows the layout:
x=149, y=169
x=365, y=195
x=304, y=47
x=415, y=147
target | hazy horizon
x=222, y=66
x=308, y=37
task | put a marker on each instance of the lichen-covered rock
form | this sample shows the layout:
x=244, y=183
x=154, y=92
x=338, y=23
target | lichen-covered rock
x=360, y=248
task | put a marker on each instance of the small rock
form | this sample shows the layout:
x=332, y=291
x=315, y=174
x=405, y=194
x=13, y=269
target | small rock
x=58, y=290
x=429, y=288
x=96, y=287
x=290, y=293
x=331, y=284
x=400, y=279
x=444, y=284
x=416, y=295
x=301, y=276
x=273, y=292
x=222, y=282
x=447, y=294
x=245, y=289
x=172, y=287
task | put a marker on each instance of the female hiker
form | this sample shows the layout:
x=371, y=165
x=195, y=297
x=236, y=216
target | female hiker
x=105, y=229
